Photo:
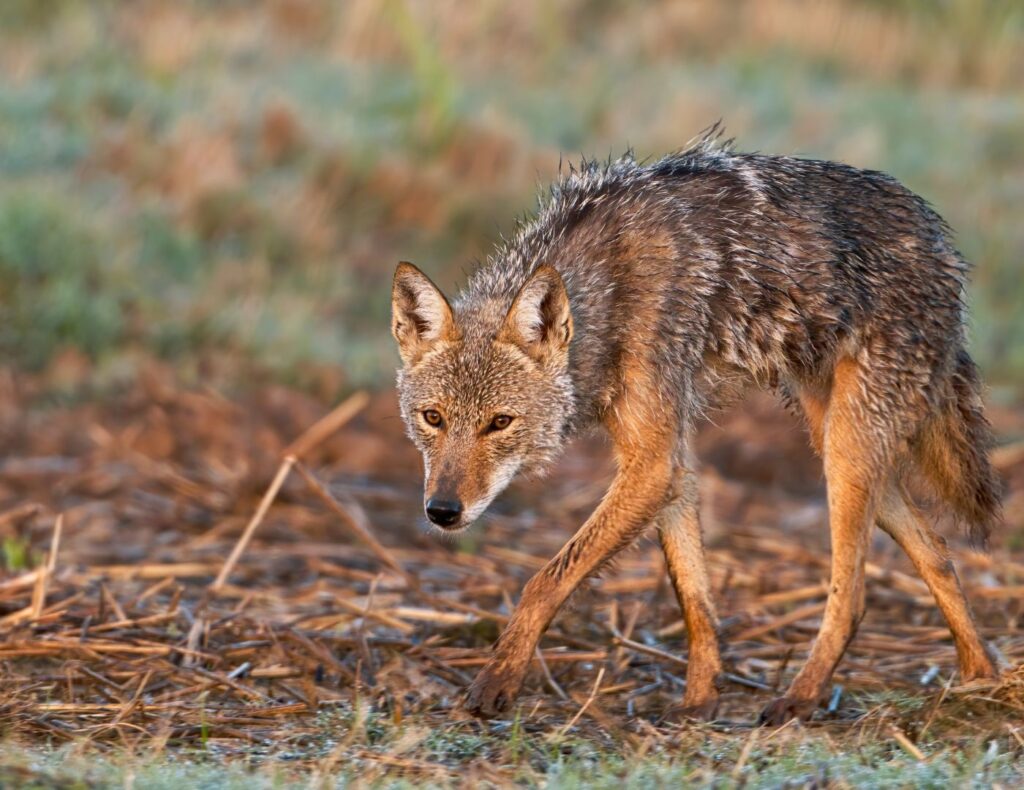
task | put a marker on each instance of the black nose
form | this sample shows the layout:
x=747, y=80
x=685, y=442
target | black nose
x=444, y=512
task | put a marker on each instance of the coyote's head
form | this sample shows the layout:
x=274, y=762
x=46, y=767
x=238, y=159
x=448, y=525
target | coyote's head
x=484, y=390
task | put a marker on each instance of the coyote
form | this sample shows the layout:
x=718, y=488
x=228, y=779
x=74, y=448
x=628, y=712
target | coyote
x=640, y=296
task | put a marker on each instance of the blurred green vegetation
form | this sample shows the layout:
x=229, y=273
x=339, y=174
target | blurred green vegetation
x=228, y=185
x=410, y=756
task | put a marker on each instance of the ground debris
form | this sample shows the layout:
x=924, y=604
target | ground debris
x=122, y=616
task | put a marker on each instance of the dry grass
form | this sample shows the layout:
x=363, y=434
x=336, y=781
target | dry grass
x=342, y=607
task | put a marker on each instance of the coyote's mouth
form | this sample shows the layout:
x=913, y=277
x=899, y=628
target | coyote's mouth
x=452, y=530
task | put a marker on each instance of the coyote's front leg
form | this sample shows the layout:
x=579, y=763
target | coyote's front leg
x=683, y=545
x=637, y=493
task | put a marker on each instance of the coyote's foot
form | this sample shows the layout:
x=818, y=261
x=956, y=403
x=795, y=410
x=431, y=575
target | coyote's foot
x=492, y=692
x=782, y=709
x=983, y=666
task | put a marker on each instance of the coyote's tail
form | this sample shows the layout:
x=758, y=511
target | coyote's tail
x=952, y=452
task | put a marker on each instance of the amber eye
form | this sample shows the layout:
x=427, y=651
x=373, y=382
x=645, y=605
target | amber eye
x=433, y=417
x=500, y=423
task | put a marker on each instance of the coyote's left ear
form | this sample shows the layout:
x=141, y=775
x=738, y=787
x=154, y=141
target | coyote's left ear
x=539, y=320
x=420, y=315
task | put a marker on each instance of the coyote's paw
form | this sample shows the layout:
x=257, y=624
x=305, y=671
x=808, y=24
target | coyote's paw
x=492, y=692
x=782, y=709
x=985, y=667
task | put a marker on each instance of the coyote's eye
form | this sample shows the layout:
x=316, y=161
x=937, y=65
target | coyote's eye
x=500, y=423
x=433, y=418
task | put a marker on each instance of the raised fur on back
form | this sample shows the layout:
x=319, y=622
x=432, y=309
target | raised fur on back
x=642, y=295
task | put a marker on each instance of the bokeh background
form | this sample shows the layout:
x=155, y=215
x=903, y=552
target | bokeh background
x=201, y=206
x=227, y=186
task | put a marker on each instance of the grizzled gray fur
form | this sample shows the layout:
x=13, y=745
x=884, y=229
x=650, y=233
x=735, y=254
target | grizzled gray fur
x=643, y=295
x=765, y=270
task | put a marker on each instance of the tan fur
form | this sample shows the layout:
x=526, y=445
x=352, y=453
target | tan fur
x=683, y=544
x=930, y=555
x=637, y=494
x=901, y=520
x=853, y=479
x=851, y=471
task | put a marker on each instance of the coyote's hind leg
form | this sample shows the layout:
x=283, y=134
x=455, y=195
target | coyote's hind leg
x=681, y=540
x=898, y=517
x=856, y=453
x=928, y=551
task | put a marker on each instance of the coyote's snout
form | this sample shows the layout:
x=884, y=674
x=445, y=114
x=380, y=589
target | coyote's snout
x=635, y=300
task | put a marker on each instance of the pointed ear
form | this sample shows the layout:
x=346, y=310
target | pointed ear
x=420, y=315
x=539, y=320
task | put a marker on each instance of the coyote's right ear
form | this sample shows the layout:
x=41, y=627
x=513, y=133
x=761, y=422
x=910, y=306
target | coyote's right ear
x=420, y=315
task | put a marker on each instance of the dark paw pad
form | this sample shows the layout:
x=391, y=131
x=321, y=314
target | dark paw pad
x=490, y=696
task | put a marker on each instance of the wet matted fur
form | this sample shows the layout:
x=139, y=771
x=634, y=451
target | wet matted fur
x=640, y=296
